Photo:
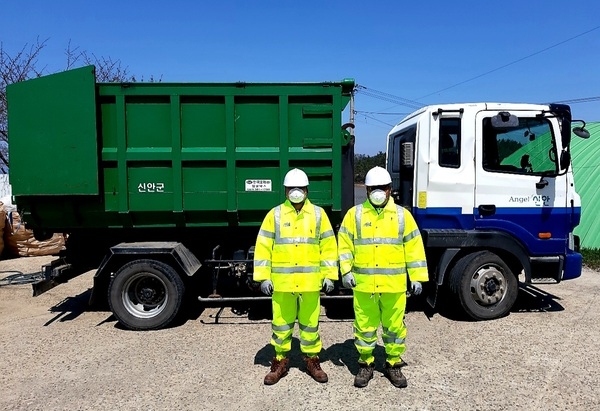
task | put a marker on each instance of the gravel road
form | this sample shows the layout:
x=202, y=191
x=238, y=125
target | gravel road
x=57, y=354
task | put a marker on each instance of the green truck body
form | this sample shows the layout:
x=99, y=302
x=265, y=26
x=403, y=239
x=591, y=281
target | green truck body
x=92, y=156
x=178, y=174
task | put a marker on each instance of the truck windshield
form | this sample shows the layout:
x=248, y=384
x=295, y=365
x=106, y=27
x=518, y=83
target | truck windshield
x=527, y=149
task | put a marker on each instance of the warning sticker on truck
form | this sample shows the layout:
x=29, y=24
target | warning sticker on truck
x=258, y=185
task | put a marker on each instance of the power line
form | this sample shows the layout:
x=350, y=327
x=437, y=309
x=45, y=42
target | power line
x=579, y=100
x=380, y=113
x=511, y=63
x=388, y=97
x=382, y=93
x=383, y=122
x=369, y=92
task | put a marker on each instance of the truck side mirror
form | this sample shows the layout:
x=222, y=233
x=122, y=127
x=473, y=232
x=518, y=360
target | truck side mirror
x=565, y=159
x=581, y=131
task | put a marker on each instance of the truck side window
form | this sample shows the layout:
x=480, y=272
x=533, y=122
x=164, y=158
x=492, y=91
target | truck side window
x=449, y=143
x=407, y=135
x=396, y=155
x=526, y=149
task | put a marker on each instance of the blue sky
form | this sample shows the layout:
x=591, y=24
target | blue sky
x=428, y=51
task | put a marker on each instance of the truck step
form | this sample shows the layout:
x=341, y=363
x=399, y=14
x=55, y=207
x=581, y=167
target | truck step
x=542, y=280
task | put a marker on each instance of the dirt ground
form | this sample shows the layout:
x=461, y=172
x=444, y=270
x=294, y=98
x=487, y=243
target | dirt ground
x=57, y=354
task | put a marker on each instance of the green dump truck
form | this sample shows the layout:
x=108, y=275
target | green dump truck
x=161, y=187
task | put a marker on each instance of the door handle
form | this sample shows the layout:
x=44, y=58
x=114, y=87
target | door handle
x=487, y=209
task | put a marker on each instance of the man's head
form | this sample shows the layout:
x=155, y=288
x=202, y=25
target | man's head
x=379, y=186
x=296, y=187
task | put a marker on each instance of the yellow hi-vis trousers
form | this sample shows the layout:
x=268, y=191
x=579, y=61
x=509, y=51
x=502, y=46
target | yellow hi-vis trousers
x=287, y=307
x=369, y=311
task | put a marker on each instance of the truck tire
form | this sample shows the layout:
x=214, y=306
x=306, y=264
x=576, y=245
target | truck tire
x=145, y=294
x=483, y=285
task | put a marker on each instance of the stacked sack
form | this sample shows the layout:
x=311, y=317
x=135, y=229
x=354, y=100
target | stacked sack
x=20, y=242
x=2, y=225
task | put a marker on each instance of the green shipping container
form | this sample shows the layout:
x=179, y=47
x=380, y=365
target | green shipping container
x=87, y=155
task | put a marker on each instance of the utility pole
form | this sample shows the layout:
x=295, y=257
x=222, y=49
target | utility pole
x=352, y=112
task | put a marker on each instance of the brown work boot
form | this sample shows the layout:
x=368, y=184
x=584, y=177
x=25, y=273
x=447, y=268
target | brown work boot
x=364, y=375
x=279, y=369
x=395, y=375
x=313, y=368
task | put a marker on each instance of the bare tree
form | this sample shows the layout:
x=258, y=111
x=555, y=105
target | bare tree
x=21, y=66
x=24, y=65
x=107, y=69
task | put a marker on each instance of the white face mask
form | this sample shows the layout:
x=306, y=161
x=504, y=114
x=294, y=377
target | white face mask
x=377, y=197
x=296, y=196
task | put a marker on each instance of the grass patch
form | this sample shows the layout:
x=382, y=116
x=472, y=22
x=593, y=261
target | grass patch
x=591, y=257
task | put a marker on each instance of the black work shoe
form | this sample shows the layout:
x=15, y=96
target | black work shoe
x=364, y=375
x=394, y=374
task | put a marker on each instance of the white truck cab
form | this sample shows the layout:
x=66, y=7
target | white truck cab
x=492, y=190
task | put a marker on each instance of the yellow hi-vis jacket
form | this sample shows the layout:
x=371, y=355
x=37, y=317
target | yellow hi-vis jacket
x=380, y=249
x=296, y=251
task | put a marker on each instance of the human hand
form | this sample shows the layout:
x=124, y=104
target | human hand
x=266, y=287
x=348, y=280
x=415, y=287
x=327, y=285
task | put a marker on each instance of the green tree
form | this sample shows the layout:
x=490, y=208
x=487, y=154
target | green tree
x=363, y=163
x=506, y=148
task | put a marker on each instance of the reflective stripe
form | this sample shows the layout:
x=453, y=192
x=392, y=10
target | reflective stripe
x=412, y=235
x=370, y=241
x=368, y=334
x=277, y=340
x=391, y=337
x=262, y=263
x=400, y=212
x=328, y=263
x=292, y=270
x=344, y=230
x=307, y=342
x=345, y=256
x=296, y=240
x=417, y=264
x=284, y=327
x=364, y=343
x=385, y=271
x=387, y=332
x=392, y=340
x=327, y=234
x=277, y=220
x=358, y=217
x=266, y=233
x=308, y=329
x=318, y=219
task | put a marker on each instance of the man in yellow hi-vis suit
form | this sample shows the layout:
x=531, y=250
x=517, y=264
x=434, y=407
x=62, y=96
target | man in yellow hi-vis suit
x=378, y=245
x=294, y=258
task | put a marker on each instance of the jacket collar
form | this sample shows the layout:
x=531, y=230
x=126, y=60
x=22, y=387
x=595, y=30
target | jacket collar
x=390, y=206
x=288, y=207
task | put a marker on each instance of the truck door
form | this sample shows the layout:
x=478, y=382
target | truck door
x=401, y=164
x=517, y=187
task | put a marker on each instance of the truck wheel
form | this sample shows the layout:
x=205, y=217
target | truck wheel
x=145, y=294
x=484, y=285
